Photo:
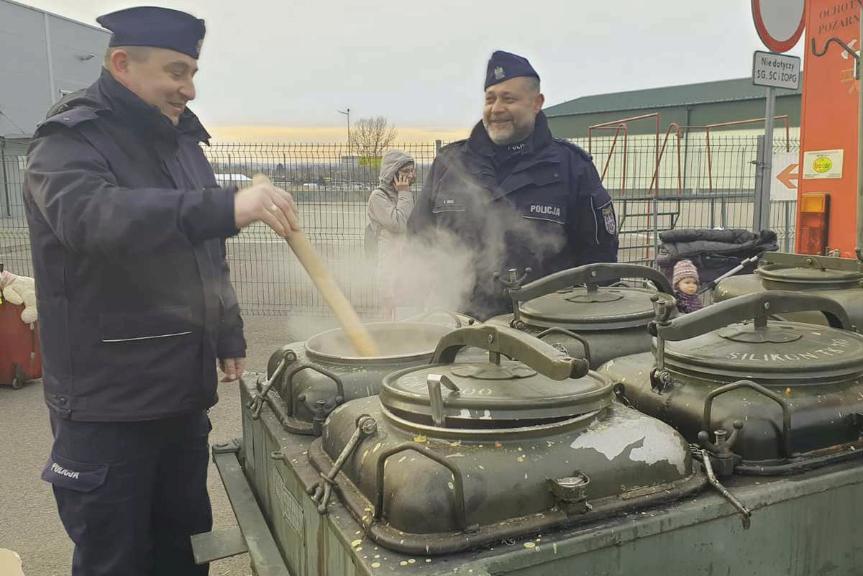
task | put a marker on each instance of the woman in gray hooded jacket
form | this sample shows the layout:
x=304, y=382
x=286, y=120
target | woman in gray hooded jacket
x=389, y=206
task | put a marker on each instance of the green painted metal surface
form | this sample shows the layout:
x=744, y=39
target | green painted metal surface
x=688, y=105
x=218, y=544
x=324, y=371
x=682, y=95
x=801, y=525
x=836, y=278
x=572, y=310
x=264, y=554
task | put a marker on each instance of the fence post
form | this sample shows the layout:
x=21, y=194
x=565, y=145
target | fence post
x=758, y=206
x=437, y=146
x=712, y=211
x=7, y=199
x=656, y=224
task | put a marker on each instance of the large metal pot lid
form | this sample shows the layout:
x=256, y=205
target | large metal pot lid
x=602, y=309
x=784, y=350
x=487, y=391
x=739, y=338
x=789, y=271
x=531, y=387
x=814, y=277
x=577, y=299
x=397, y=341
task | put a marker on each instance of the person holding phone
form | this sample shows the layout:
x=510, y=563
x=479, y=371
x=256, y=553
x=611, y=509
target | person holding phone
x=389, y=207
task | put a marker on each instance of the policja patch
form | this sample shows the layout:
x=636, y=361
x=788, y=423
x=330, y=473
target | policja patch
x=74, y=476
x=545, y=210
x=609, y=218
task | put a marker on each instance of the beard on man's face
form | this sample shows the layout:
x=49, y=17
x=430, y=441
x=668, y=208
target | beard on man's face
x=508, y=131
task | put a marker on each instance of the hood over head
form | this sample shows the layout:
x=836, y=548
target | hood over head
x=392, y=162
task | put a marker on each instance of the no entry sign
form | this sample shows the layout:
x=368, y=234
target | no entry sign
x=779, y=22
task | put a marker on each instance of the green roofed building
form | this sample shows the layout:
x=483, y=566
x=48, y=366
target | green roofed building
x=687, y=105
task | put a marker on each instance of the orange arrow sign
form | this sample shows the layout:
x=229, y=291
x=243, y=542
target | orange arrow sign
x=786, y=176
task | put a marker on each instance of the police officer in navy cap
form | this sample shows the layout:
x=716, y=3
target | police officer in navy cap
x=137, y=311
x=514, y=195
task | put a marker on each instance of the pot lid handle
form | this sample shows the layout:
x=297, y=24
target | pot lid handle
x=514, y=344
x=590, y=275
x=757, y=307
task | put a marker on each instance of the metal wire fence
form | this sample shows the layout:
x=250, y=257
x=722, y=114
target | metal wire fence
x=694, y=186
x=14, y=238
x=331, y=185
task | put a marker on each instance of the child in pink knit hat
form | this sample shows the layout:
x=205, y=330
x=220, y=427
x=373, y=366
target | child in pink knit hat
x=685, y=283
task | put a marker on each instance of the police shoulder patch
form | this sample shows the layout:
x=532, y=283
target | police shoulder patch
x=609, y=218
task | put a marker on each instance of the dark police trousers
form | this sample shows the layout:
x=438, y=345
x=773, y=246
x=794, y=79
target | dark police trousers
x=130, y=494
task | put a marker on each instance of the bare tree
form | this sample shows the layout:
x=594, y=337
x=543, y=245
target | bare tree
x=370, y=137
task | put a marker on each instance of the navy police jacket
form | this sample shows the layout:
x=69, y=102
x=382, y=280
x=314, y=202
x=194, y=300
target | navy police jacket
x=539, y=204
x=127, y=228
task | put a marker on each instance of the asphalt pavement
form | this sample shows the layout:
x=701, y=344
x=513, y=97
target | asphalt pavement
x=29, y=523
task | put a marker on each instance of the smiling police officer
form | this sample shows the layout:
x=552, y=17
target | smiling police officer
x=128, y=231
x=513, y=194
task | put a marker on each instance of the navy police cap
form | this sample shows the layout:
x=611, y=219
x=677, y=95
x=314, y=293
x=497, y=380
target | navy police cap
x=504, y=65
x=155, y=27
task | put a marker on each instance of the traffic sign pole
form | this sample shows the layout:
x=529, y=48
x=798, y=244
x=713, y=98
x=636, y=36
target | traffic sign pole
x=779, y=24
x=771, y=71
x=761, y=213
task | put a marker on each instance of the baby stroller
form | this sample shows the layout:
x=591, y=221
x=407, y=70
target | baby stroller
x=716, y=253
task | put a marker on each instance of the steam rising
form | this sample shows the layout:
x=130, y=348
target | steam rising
x=494, y=235
x=439, y=270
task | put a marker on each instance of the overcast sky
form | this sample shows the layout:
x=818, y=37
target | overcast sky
x=421, y=64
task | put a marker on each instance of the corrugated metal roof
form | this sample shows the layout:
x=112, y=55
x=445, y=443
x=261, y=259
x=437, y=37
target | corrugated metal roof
x=666, y=96
x=55, y=15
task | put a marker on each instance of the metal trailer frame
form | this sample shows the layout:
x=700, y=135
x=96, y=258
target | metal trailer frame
x=800, y=525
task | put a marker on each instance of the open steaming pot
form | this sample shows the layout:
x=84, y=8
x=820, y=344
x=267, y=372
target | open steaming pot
x=311, y=378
